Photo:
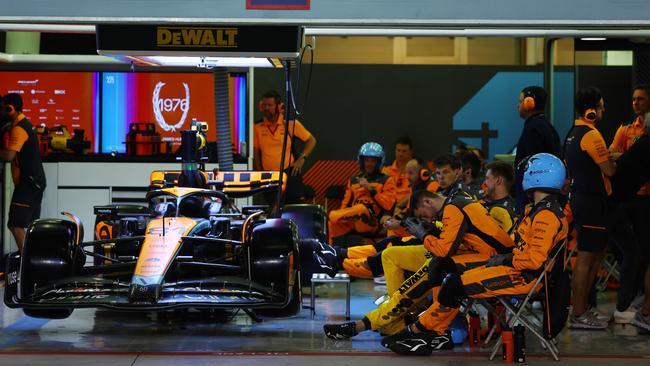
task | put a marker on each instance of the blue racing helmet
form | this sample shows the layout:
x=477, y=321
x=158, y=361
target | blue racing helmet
x=544, y=171
x=373, y=150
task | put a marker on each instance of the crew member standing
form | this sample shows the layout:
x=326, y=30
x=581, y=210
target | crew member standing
x=26, y=168
x=537, y=136
x=589, y=168
x=631, y=231
x=267, y=145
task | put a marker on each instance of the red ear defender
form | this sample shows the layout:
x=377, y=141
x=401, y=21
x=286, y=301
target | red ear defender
x=590, y=114
x=529, y=103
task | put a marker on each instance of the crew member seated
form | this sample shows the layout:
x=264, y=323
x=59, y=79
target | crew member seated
x=367, y=196
x=499, y=178
x=472, y=165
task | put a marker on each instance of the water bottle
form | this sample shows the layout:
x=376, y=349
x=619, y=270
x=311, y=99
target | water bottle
x=474, y=329
x=507, y=345
x=492, y=320
x=520, y=343
x=458, y=328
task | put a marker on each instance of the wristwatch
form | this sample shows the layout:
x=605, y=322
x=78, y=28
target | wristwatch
x=303, y=156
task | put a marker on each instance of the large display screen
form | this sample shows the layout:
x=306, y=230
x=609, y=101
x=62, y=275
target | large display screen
x=58, y=98
x=168, y=100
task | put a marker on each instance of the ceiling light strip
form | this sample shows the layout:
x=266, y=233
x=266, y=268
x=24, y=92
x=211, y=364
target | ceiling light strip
x=476, y=32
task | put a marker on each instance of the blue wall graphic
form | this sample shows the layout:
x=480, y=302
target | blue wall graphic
x=496, y=104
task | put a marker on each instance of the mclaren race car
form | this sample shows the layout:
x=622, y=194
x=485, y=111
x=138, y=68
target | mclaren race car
x=190, y=248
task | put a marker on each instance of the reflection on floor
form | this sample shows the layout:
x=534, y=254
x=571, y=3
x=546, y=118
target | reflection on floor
x=197, y=337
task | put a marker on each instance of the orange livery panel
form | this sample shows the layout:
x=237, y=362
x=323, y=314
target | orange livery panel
x=159, y=247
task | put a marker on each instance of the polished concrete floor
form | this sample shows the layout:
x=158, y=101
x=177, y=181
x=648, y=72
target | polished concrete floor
x=101, y=337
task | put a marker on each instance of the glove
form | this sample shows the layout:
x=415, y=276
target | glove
x=500, y=260
x=416, y=228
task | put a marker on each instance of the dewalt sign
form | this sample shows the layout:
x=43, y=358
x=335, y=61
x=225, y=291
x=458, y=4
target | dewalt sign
x=199, y=39
x=196, y=37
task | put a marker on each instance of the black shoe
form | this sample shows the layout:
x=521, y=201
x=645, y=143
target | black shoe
x=402, y=334
x=341, y=252
x=340, y=331
x=421, y=344
x=327, y=258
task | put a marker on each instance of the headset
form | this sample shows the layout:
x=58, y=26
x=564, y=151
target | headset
x=425, y=174
x=590, y=115
x=529, y=101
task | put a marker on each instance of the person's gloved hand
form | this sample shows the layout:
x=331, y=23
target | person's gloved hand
x=500, y=260
x=416, y=228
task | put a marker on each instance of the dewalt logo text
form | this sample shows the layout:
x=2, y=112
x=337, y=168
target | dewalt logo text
x=196, y=37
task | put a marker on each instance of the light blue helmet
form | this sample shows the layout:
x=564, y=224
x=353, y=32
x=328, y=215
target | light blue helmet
x=374, y=150
x=544, y=171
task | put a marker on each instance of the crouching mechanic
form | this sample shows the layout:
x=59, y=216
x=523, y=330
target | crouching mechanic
x=541, y=229
x=465, y=222
x=367, y=197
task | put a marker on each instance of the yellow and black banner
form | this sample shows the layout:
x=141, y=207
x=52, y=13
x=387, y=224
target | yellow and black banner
x=205, y=39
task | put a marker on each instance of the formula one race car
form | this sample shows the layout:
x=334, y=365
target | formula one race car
x=191, y=248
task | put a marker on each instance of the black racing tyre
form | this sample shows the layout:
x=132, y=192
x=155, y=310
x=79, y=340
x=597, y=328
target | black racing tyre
x=272, y=243
x=49, y=255
x=291, y=309
x=311, y=220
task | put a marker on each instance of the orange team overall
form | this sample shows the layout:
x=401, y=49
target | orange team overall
x=367, y=196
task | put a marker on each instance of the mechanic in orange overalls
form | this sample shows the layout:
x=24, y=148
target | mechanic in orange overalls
x=496, y=198
x=397, y=170
x=367, y=196
x=542, y=228
x=472, y=167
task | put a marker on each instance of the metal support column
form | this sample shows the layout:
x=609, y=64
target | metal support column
x=549, y=70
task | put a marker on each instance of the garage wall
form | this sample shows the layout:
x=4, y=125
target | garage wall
x=436, y=105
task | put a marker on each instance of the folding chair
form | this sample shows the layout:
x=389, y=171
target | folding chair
x=516, y=310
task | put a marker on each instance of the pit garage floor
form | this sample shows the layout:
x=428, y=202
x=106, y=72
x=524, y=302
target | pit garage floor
x=102, y=337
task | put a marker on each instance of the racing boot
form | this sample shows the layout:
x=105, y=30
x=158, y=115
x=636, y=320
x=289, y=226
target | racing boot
x=418, y=344
x=327, y=258
x=340, y=331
